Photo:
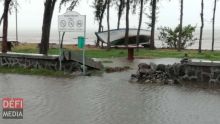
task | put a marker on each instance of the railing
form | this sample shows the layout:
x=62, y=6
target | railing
x=70, y=55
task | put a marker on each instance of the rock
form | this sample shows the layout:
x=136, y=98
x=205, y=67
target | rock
x=185, y=78
x=205, y=77
x=116, y=69
x=182, y=70
x=193, y=78
x=191, y=72
x=144, y=68
x=185, y=59
x=161, y=67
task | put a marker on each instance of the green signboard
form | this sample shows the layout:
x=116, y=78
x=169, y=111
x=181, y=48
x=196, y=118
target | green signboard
x=81, y=42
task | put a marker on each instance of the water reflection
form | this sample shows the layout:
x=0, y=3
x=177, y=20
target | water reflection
x=110, y=99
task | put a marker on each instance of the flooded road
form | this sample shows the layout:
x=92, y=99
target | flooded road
x=109, y=99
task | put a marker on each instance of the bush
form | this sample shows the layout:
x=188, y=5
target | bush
x=170, y=37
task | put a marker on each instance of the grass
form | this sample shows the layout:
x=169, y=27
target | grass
x=159, y=53
x=26, y=71
x=102, y=53
x=113, y=53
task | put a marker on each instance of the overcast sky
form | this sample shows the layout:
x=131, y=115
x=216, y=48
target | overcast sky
x=30, y=14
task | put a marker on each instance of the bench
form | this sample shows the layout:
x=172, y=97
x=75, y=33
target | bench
x=130, y=50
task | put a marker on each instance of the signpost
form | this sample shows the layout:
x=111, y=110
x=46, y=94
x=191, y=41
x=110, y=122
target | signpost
x=72, y=21
x=81, y=45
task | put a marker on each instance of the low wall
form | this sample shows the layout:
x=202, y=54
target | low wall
x=202, y=71
x=37, y=61
x=190, y=71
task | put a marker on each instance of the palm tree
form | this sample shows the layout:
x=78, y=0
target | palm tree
x=140, y=22
x=108, y=23
x=181, y=25
x=7, y=6
x=202, y=25
x=120, y=5
x=153, y=22
x=47, y=18
x=127, y=22
x=100, y=7
x=213, y=25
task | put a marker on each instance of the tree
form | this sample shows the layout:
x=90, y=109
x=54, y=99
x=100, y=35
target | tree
x=100, y=7
x=202, y=25
x=120, y=6
x=108, y=23
x=153, y=4
x=47, y=18
x=140, y=22
x=7, y=6
x=72, y=4
x=213, y=25
x=170, y=37
x=181, y=25
x=127, y=22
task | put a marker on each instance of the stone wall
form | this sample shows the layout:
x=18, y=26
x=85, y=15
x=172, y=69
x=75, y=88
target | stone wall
x=178, y=72
x=202, y=71
x=37, y=61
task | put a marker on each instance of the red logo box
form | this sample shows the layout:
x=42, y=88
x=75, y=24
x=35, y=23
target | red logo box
x=12, y=103
x=12, y=108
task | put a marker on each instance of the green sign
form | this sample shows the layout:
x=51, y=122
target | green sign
x=81, y=42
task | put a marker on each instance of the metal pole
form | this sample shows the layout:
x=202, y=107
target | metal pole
x=60, y=57
x=84, y=69
x=16, y=19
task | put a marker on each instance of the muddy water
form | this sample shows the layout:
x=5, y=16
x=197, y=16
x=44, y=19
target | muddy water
x=109, y=99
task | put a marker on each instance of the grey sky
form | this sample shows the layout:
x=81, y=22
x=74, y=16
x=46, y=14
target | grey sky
x=31, y=13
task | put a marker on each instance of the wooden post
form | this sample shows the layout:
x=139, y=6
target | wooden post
x=130, y=53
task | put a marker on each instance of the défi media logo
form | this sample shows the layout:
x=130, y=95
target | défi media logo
x=12, y=108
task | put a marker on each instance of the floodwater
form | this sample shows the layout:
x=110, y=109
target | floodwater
x=110, y=99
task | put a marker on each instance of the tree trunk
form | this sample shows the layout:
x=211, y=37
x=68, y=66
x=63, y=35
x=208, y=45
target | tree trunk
x=100, y=22
x=108, y=23
x=139, y=25
x=48, y=14
x=5, y=26
x=119, y=20
x=153, y=23
x=213, y=26
x=62, y=38
x=127, y=23
x=181, y=25
x=120, y=10
x=99, y=30
x=202, y=25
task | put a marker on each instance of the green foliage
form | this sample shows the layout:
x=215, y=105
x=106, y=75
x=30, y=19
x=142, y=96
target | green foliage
x=170, y=37
x=73, y=3
x=99, y=6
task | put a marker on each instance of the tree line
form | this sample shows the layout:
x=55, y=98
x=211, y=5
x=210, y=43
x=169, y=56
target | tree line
x=102, y=9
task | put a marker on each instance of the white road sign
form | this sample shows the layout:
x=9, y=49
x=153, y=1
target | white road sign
x=71, y=22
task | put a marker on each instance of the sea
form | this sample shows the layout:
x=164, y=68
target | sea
x=34, y=36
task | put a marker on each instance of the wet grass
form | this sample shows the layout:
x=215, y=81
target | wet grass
x=103, y=53
x=159, y=53
x=113, y=53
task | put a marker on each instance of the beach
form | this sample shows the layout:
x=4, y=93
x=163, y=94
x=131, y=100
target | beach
x=34, y=36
